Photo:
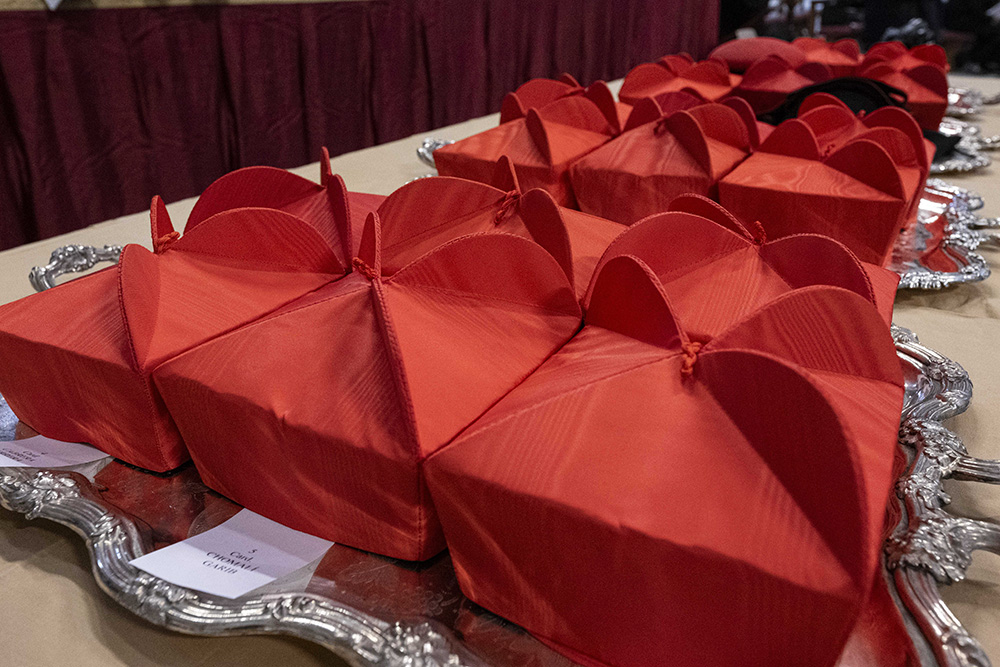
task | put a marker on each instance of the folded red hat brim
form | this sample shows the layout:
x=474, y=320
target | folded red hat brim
x=397, y=367
x=794, y=195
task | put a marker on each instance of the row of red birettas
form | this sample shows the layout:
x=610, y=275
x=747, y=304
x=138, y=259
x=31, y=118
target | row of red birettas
x=629, y=362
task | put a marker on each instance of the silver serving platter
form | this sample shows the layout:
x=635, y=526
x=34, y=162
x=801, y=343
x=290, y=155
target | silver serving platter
x=371, y=610
x=962, y=235
x=968, y=101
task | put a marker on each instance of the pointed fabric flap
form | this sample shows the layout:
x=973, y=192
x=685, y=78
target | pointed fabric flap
x=369, y=259
x=262, y=239
x=544, y=222
x=710, y=71
x=504, y=176
x=559, y=142
x=325, y=172
x=899, y=146
x=930, y=77
x=905, y=123
x=885, y=50
x=932, y=53
x=817, y=328
x=739, y=381
x=741, y=54
x=877, y=69
x=849, y=47
x=793, y=138
x=706, y=208
x=870, y=164
x=691, y=134
x=138, y=290
x=494, y=266
x=671, y=242
x=831, y=263
x=840, y=55
x=884, y=283
x=764, y=70
x=647, y=110
x=678, y=101
x=534, y=94
x=512, y=108
x=820, y=100
x=569, y=80
x=599, y=93
x=627, y=298
x=644, y=81
x=269, y=187
x=746, y=114
x=830, y=123
x=722, y=123
x=815, y=71
x=677, y=62
x=161, y=228
x=337, y=197
x=577, y=112
x=430, y=211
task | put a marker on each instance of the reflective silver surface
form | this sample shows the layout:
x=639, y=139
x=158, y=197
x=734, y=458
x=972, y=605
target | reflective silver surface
x=929, y=545
x=372, y=610
x=426, y=150
x=71, y=259
x=910, y=255
x=965, y=129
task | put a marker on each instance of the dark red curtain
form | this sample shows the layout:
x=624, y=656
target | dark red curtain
x=102, y=109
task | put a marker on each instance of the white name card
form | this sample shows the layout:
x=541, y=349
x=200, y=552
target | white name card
x=236, y=557
x=42, y=452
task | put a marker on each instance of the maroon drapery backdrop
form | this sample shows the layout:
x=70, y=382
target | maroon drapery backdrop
x=101, y=109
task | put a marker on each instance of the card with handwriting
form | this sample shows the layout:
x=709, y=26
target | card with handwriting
x=244, y=553
x=42, y=452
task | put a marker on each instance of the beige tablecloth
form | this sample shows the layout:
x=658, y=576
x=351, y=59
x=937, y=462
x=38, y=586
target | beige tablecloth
x=53, y=613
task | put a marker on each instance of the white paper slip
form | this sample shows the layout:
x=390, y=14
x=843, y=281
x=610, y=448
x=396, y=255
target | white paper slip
x=42, y=452
x=235, y=557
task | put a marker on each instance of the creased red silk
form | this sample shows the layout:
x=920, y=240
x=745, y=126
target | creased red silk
x=327, y=432
x=640, y=172
x=648, y=448
x=79, y=356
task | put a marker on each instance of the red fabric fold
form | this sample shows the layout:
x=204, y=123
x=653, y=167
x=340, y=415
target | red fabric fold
x=640, y=412
x=327, y=433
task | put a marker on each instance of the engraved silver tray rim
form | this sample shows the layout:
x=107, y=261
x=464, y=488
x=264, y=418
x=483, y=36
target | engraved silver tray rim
x=928, y=546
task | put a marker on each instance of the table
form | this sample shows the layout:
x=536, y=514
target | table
x=54, y=613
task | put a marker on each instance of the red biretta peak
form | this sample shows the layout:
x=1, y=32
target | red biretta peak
x=925, y=85
x=891, y=127
x=740, y=54
x=842, y=56
x=769, y=81
x=79, y=357
x=900, y=57
x=640, y=172
x=322, y=205
x=702, y=236
x=537, y=93
x=645, y=459
x=858, y=192
x=430, y=211
x=708, y=79
x=541, y=146
x=328, y=432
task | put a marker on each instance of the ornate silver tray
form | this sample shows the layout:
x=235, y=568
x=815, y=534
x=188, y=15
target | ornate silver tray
x=372, y=610
x=961, y=236
x=968, y=101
